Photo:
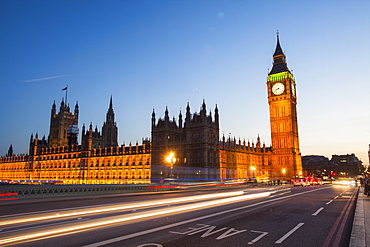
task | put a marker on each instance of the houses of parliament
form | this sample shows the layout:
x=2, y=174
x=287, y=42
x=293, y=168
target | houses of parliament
x=198, y=152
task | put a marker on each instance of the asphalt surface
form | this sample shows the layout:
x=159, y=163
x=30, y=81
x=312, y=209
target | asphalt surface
x=287, y=216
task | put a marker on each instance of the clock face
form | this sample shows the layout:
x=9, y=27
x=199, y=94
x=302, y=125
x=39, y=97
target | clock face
x=278, y=88
x=293, y=89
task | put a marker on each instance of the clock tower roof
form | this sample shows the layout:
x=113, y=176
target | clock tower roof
x=278, y=50
x=279, y=64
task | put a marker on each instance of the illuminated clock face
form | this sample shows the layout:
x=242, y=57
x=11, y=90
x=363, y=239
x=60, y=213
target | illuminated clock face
x=278, y=88
x=293, y=89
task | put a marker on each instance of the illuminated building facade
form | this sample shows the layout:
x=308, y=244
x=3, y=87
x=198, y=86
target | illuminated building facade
x=59, y=124
x=282, y=99
x=245, y=160
x=195, y=143
x=198, y=151
x=98, y=160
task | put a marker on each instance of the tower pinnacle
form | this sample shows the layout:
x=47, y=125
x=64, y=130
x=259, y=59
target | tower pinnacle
x=279, y=64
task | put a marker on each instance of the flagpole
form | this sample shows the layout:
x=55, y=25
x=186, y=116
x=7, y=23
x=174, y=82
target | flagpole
x=66, y=94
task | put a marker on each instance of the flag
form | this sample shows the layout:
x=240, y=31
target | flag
x=64, y=88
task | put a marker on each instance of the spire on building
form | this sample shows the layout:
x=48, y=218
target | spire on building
x=153, y=118
x=180, y=120
x=166, y=117
x=54, y=108
x=111, y=103
x=216, y=115
x=10, y=151
x=278, y=50
x=187, y=117
x=204, y=105
x=110, y=129
x=110, y=112
x=279, y=64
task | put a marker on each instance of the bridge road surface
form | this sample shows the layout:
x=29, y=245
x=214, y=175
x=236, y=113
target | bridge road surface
x=265, y=216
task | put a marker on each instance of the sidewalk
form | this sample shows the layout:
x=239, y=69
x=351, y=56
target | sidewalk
x=360, y=235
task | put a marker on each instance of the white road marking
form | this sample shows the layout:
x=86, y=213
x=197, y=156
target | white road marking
x=209, y=231
x=259, y=237
x=289, y=233
x=318, y=211
x=281, y=194
x=229, y=233
x=329, y=202
x=137, y=234
x=192, y=229
x=150, y=245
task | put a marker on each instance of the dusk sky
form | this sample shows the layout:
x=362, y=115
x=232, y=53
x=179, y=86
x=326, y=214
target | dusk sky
x=152, y=54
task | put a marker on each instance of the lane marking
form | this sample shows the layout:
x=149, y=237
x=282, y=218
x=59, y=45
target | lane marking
x=259, y=237
x=281, y=194
x=150, y=245
x=345, y=217
x=289, y=233
x=318, y=211
x=137, y=234
x=329, y=202
x=229, y=233
x=343, y=214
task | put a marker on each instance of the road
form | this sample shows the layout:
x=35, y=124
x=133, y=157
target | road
x=261, y=216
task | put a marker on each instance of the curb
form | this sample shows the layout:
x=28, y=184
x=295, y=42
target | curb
x=358, y=234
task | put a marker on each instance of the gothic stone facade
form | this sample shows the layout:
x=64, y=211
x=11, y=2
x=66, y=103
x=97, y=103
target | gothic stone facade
x=194, y=141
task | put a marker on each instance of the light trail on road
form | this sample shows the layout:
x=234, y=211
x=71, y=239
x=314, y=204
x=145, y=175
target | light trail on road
x=106, y=209
x=72, y=227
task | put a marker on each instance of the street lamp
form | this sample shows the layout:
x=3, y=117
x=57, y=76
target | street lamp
x=171, y=159
x=253, y=169
x=283, y=171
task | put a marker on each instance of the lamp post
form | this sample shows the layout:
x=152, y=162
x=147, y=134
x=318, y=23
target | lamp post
x=253, y=169
x=171, y=159
x=283, y=171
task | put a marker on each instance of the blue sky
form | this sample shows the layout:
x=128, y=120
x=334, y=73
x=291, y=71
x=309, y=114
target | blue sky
x=153, y=54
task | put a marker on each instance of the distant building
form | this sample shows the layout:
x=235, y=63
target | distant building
x=346, y=165
x=339, y=165
x=315, y=165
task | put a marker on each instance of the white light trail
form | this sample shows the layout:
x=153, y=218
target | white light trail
x=116, y=219
x=73, y=213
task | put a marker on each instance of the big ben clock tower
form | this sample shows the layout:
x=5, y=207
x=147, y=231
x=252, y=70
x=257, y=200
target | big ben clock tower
x=282, y=99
